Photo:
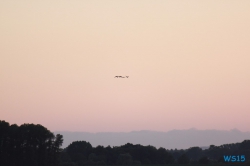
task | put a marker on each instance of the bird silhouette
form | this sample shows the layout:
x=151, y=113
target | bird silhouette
x=121, y=77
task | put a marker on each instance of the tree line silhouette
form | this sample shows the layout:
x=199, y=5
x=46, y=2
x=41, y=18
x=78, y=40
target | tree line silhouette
x=34, y=145
x=28, y=145
x=80, y=153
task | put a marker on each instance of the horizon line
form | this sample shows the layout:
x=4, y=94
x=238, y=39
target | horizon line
x=234, y=129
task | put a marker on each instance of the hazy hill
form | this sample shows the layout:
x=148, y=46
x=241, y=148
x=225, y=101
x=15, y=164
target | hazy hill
x=180, y=139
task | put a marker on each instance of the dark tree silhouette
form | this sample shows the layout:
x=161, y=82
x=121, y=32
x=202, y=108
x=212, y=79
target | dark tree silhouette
x=194, y=153
x=183, y=159
x=28, y=145
x=79, y=151
x=204, y=160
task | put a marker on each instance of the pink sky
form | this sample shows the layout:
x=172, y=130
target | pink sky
x=188, y=64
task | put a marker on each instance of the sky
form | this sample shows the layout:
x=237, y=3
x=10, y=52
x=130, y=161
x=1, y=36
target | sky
x=187, y=62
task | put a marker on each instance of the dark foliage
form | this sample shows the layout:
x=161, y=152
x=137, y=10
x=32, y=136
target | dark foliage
x=34, y=145
x=28, y=145
x=183, y=159
x=82, y=153
x=204, y=160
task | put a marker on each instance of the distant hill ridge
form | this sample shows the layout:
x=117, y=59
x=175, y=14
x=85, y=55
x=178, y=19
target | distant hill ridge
x=179, y=139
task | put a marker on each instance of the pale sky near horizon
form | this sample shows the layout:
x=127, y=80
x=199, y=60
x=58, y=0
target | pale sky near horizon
x=188, y=64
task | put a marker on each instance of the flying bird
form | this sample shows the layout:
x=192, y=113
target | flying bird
x=121, y=77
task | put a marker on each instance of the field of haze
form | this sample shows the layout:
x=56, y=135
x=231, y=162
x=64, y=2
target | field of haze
x=188, y=64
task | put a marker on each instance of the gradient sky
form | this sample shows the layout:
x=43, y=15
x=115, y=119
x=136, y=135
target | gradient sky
x=188, y=64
